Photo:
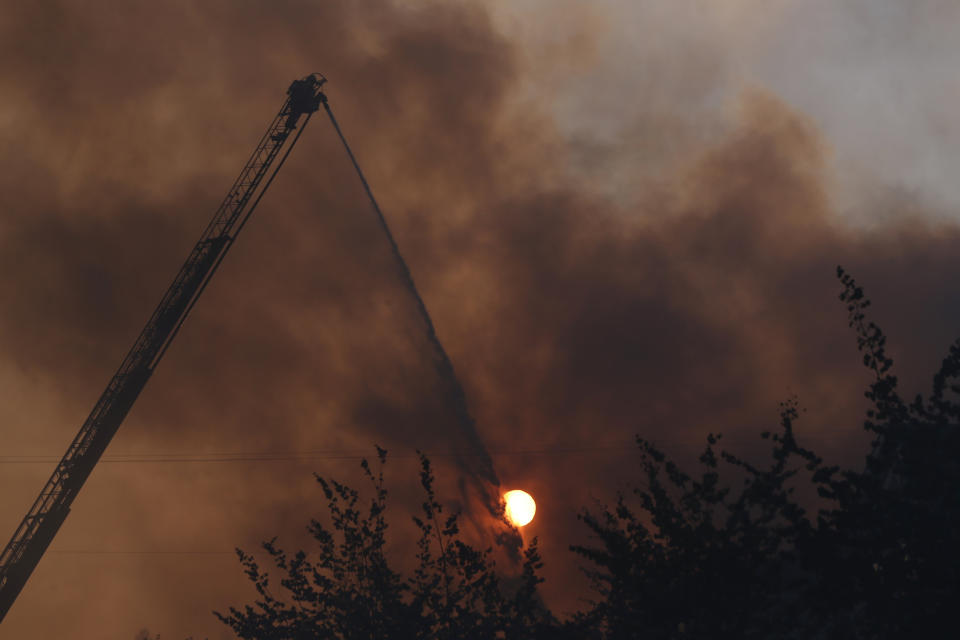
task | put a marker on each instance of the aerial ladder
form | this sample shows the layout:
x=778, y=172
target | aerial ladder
x=43, y=520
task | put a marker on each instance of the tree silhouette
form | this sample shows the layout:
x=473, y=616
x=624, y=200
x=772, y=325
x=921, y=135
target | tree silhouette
x=894, y=529
x=692, y=557
x=346, y=588
x=790, y=548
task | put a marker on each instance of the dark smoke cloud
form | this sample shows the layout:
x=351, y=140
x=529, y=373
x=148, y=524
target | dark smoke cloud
x=575, y=321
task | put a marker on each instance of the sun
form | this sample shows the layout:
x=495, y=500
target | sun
x=520, y=507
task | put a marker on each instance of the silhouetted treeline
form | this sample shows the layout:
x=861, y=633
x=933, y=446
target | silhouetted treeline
x=791, y=548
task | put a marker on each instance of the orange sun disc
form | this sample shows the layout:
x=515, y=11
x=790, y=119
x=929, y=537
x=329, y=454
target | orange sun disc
x=520, y=507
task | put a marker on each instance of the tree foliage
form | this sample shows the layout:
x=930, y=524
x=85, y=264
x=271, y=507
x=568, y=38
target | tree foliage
x=346, y=588
x=693, y=557
x=790, y=548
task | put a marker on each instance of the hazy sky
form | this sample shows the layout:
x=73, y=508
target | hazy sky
x=624, y=216
x=877, y=78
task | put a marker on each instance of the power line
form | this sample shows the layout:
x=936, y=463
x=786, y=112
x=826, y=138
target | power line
x=135, y=552
x=213, y=457
x=207, y=457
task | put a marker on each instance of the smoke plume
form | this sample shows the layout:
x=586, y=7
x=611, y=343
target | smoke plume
x=613, y=234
